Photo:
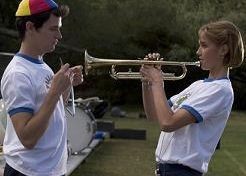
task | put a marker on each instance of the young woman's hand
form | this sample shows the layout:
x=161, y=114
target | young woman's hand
x=151, y=72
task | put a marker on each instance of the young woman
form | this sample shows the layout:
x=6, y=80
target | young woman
x=193, y=121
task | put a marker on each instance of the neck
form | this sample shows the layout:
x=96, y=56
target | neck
x=215, y=74
x=30, y=50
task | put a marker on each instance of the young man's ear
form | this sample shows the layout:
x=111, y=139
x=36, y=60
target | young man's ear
x=29, y=26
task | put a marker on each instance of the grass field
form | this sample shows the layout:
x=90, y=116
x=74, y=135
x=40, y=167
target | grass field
x=121, y=157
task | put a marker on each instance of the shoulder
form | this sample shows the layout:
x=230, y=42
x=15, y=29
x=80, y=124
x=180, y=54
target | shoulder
x=213, y=86
x=219, y=91
x=224, y=86
x=15, y=73
x=16, y=65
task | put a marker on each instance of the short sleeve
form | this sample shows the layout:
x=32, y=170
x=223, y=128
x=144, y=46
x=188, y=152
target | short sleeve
x=210, y=102
x=18, y=93
x=175, y=97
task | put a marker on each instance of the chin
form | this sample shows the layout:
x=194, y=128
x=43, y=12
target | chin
x=204, y=67
x=52, y=49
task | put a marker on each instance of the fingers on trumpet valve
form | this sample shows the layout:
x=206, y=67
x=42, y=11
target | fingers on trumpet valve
x=156, y=56
x=153, y=56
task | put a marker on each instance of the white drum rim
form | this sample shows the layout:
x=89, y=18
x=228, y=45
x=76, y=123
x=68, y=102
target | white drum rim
x=73, y=124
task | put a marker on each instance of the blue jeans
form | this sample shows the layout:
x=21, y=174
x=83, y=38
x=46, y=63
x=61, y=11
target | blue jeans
x=176, y=170
x=9, y=171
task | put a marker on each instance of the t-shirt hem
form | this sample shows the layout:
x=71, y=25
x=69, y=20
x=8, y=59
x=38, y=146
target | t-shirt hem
x=30, y=173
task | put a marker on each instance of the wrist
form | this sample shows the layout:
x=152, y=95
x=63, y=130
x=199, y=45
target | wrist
x=54, y=93
x=149, y=84
x=157, y=84
x=146, y=83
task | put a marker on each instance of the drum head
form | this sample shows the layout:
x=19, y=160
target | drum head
x=81, y=130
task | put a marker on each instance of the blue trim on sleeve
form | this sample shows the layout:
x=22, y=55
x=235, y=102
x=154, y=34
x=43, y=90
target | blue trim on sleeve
x=21, y=109
x=33, y=60
x=170, y=103
x=194, y=112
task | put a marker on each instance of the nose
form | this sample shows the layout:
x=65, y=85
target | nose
x=59, y=35
x=198, y=52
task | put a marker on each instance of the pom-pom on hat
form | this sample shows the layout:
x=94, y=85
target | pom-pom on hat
x=31, y=7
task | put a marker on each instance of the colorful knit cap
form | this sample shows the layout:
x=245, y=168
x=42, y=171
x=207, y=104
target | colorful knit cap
x=31, y=7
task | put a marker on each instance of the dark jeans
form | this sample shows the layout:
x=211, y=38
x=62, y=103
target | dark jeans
x=9, y=171
x=176, y=170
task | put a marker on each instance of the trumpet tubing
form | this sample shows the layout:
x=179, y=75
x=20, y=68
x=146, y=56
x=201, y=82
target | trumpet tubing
x=93, y=62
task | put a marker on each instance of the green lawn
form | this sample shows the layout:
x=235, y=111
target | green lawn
x=120, y=157
x=231, y=159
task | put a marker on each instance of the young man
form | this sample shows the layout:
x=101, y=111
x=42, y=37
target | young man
x=36, y=134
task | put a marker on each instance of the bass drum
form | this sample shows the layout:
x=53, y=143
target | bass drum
x=81, y=129
x=3, y=121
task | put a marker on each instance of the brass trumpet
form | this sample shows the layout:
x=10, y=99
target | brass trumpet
x=93, y=62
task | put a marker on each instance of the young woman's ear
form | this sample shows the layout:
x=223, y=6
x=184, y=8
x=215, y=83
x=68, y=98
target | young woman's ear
x=224, y=49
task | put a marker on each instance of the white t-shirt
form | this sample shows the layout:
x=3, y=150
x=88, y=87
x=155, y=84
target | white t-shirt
x=210, y=102
x=24, y=85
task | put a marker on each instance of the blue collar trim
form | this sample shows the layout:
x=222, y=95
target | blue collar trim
x=31, y=59
x=212, y=79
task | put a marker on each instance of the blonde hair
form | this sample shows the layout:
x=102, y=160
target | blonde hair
x=226, y=33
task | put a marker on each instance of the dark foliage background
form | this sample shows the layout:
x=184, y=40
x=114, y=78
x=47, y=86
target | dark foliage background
x=129, y=29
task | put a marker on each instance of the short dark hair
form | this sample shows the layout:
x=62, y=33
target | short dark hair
x=39, y=19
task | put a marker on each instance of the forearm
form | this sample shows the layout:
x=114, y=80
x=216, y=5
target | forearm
x=161, y=107
x=39, y=122
x=148, y=101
